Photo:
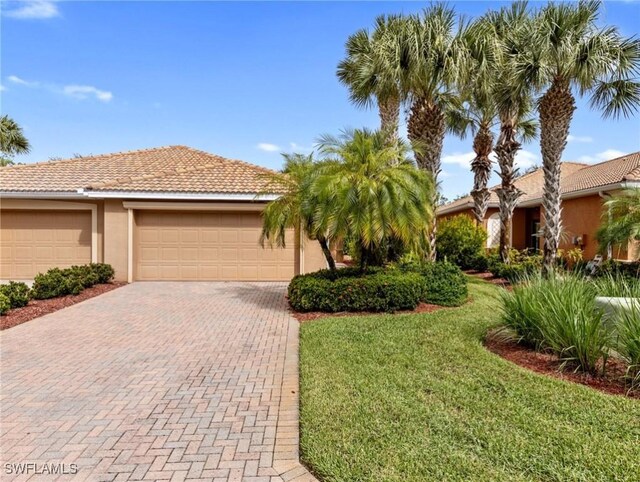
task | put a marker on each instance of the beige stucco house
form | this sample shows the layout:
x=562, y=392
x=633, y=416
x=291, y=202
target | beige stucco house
x=584, y=189
x=170, y=213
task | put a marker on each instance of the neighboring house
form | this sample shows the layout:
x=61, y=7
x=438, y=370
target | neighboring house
x=584, y=189
x=170, y=213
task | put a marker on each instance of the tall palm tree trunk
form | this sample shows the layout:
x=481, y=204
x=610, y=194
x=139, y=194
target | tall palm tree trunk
x=426, y=128
x=508, y=194
x=481, y=167
x=389, y=112
x=556, y=111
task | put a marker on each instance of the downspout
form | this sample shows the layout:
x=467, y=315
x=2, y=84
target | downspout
x=605, y=196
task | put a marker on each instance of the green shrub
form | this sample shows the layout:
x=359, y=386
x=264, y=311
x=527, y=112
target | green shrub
x=56, y=282
x=5, y=304
x=559, y=313
x=445, y=283
x=103, y=271
x=354, y=291
x=480, y=262
x=617, y=285
x=628, y=342
x=84, y=274
x=521, y=264
x=611, y=266
x=18, y=293
x=460, y=240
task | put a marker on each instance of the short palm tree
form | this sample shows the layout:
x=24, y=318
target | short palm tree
x=368, y=75
x=295, y=207
x=425, y=53
x=372, y=192
x=621, y=220
x=569, y=53
x=12, y=140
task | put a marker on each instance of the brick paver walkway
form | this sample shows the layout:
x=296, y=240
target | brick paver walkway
x=156, y=381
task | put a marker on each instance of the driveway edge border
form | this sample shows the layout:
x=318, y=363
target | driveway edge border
x=286, y=458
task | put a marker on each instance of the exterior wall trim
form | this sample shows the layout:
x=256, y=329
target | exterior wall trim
x=194, y=206
x=61, y=206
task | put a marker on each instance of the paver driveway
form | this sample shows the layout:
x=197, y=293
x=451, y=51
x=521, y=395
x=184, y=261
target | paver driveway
x=156, y=381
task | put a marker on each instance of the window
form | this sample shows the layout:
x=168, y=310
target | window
x=493, y=230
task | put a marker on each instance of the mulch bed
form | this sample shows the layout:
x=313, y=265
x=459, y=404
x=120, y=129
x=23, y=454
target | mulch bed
x=37, y=308
x=612, y=382
x=315, y=315
x=488, y=277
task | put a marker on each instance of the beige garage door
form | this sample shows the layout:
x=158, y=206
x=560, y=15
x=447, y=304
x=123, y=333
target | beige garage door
x=31, y=242
x=207, y=246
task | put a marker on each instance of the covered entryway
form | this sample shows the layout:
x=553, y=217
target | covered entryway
x=201, y=246
x=31, y=242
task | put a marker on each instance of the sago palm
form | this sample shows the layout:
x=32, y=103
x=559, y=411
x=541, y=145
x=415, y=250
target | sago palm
x=426, y=57
x=570, y=54
x=621, y=220
x=295, y=207
x=368, y=75
x=372, y=192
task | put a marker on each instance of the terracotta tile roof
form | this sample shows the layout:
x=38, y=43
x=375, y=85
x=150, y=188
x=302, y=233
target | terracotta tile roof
x=164, y=169
x=575, y=177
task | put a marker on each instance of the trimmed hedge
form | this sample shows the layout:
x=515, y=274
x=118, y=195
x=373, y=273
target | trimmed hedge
x=353, y=291
x=17, y=293
x=70, y=281
x=399, y=287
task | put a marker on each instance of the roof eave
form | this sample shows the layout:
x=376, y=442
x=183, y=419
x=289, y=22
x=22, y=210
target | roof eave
x=179, y=196
x=41, y=194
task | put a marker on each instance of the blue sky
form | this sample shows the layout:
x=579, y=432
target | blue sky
x=244, y=80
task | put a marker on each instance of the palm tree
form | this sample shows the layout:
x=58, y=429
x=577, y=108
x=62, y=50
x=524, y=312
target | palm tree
x=508, y=28
x=621, y=220
x=368, y=75
x=12, y=140
x=296, y=205
x=569, y=53
x=424, y=54
x=371, y=191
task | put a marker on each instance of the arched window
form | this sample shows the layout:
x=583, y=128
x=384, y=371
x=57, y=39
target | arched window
x=493, y=230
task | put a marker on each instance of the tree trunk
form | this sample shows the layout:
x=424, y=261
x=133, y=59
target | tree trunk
x=556, y=111
x=327, y=253
x=508, y=194
x=389, y=111
x=481, y=167
x=426, y=129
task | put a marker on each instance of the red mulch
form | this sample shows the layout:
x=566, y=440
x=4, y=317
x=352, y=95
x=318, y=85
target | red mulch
x=314, y=315
x=612, y=382
x=37, y=308
x=489, y=278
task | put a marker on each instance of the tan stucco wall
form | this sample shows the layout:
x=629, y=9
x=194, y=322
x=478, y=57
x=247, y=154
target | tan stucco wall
x=116, y=231
x=582, y=216
x=314, y=260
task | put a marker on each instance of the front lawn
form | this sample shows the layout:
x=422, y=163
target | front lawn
x=417, y=397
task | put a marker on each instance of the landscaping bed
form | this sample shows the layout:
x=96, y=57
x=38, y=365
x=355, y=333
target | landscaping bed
x=612, y=381
x=418, y=397
x=37, y=308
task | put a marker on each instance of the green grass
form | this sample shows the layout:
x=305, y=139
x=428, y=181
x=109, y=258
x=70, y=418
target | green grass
x=418, y=398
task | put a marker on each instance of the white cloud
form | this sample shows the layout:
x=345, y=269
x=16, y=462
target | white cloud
x=17, y=80
x=86, y=91
x=33, y=9
x=601, y=156
x=586, y=139
x=265, y=146
x=524, y=159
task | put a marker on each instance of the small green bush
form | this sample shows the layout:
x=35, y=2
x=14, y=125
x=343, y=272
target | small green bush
x=610, y=266
x=521, y=264
x=559, y=313
x=354, y=291
x=103, y=271
x=628, y=342
x=18, y=293
x=445, y=283
x=460, y=240
x=480, y=262
x=84, y=274
x=5, y=304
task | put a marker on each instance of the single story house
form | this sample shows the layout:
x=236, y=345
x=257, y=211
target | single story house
x=170, y=213
x=584, y=189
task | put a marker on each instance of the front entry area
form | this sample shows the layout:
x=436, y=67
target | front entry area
x=207, y=246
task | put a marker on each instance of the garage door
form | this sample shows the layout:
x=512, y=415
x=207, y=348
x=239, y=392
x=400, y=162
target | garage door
x=207, y=246
x=31, y=242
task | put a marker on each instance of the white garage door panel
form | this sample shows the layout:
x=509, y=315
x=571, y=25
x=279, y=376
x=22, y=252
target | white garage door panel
x=31, y=242
x=207, y=246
